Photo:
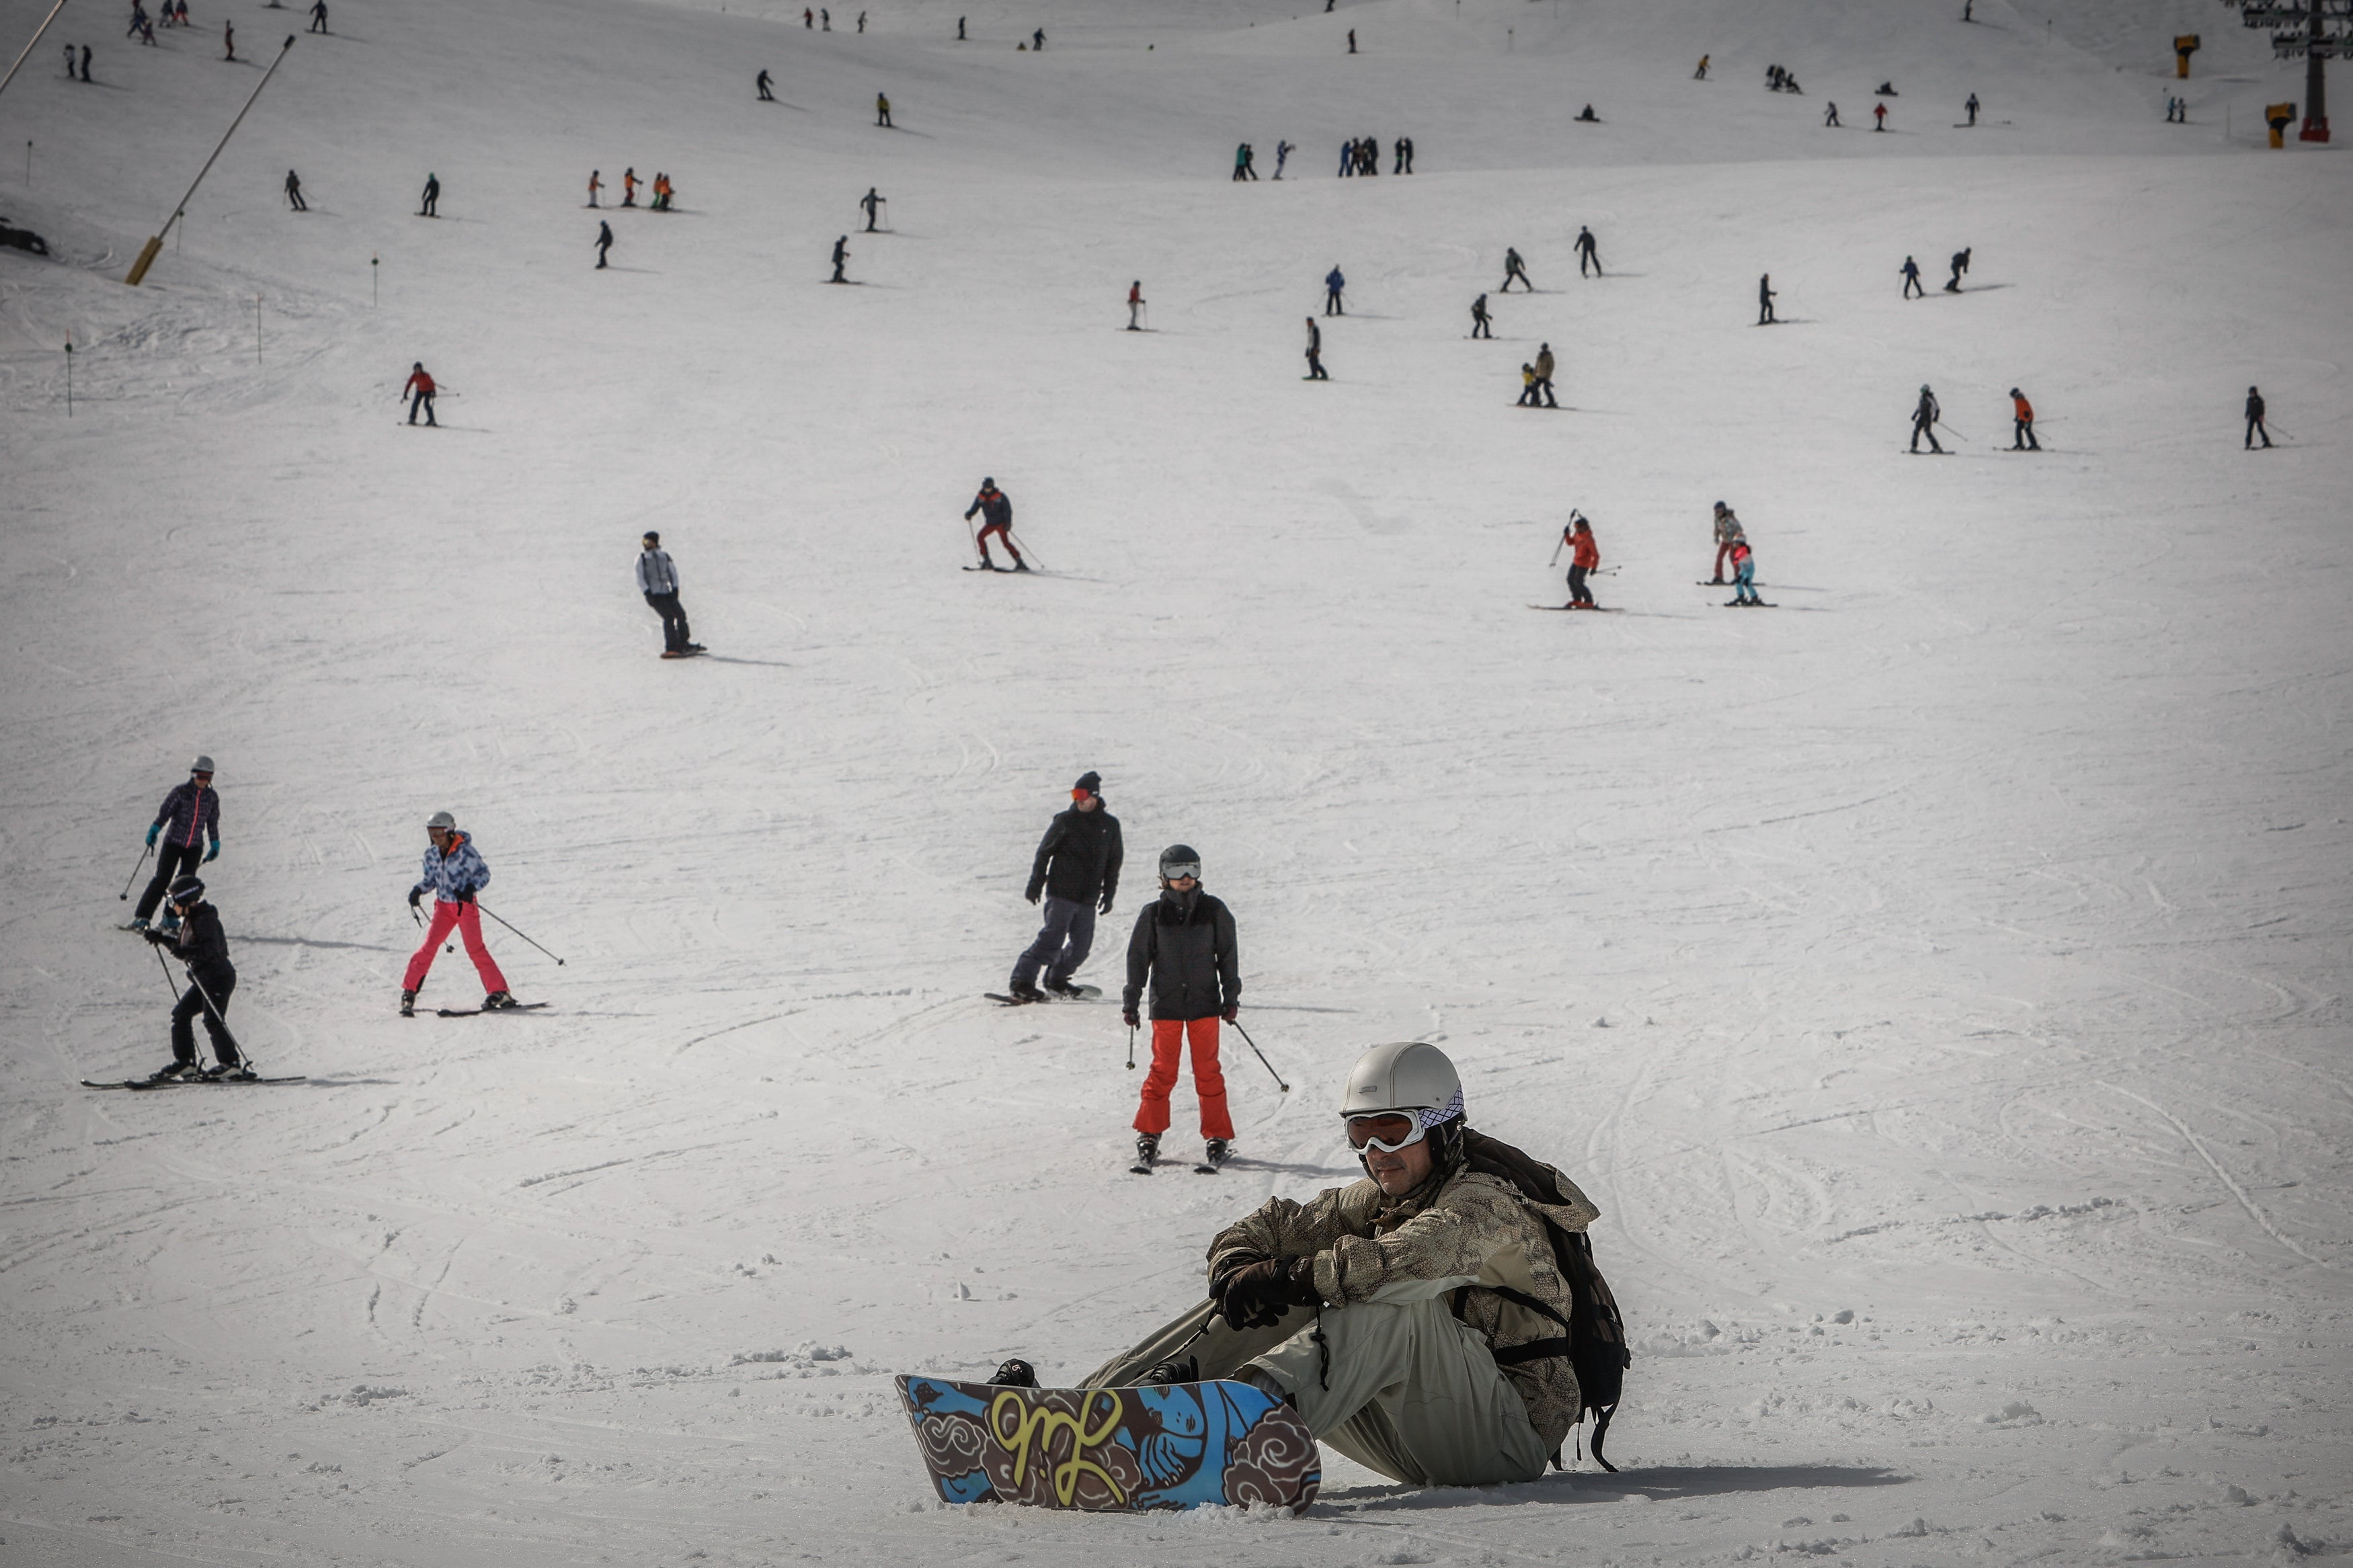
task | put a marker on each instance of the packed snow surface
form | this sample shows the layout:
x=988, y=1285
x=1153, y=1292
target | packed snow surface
x=1938, y=979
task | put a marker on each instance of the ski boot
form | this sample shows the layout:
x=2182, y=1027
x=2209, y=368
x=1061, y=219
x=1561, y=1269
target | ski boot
x=1021, y=565
x=496, y=1002
x=1166, y=1374
x=168, y=926
x=1014, y=1374
x=409, y=1004
x=1218, y=1152
x=138, y=924
x=227, y=1072
x=169, y=1071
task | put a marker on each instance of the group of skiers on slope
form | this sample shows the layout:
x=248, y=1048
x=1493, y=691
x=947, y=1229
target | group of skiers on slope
x=186, y=834
x=1515, y=270
x=1910, y=273
x=1927, y=413
x=1732, y=544
x=1182, y=949
x=1361, y=155
x=1439, y=1322
x=663, y=191
x=1536, y=381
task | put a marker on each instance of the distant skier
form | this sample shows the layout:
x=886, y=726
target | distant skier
x=840, y=259
x=454, y=871
x=1960, y=268
x=1514, y=268
x=431, y=206
x=190, y=812
x=1544, y=374
x=319, y=16
x=1281, y=156
x=421, y=391
x=1242, y=170
x=1134, y=305
x=1924, y=415
x=663, y=192
x=1076, y=869
x=139, y=20
x=760, y=82
x=2021, y=423
x=1586, y=117
x=882, y=111
x=1587, y=251
x=657, y=581
x=1701, y=74
x=1743, y=575
x=1333, y=284
x=808, y=19
x=84, y=61
x=1765, y=296
x=1038, y=41
x=1352, y=40
x=1728, y=532
x=1183, y=945
x=630, y=187
x=604, y=242
x=197, y=940
x=1879, y=116
x=1315, y=351
x=2255, y=425
x=596, y=184
x=960, y=37
x=872, y=201
x=824, y=20
x=295, y=192
x=1830, y=117
x=861, y=21
x=996, y=516
x=1404, y=156
x=1972, y=107
x=1527, y=387
x=1347, y=149
x=1911, y=270
x=1480, y=325
x=1887, y=89
x=1585, y=557
x=228, y=40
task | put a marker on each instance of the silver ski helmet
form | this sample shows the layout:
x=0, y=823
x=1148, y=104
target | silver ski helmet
x=1408, y=1078
x=1180, y=860
x=440, y=819
x=203, y=765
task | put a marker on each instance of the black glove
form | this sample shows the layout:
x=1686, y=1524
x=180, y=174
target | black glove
x=1231, y=1008
x=157, y=937
x=1257, y=1296
x=1103, y=907
x=466, y=894
x=1031, y=895
x=1129, y=1019
x=1227, y=1266
x=415, y=894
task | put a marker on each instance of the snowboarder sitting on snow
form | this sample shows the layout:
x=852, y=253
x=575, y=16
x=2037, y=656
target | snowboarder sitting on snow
x=1184, y=944
x=190, y=812
x=197, y=940
x=455, y=871
x=1589, y=117
x=1076, y=871
x=1417, y=1319
x=997, y=517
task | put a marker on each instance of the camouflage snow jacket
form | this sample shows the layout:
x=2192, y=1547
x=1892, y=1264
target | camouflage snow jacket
x=1475, y=1235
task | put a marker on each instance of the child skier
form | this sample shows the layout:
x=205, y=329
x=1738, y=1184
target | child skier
x=197, y=940
x=1743, y=574
x=455, y=871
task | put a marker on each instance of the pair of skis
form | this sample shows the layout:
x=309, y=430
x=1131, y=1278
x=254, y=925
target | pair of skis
x=146, y=1083
x=1207, y=1167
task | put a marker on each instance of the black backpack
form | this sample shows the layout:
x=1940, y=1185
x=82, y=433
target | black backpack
x=1594, y=1337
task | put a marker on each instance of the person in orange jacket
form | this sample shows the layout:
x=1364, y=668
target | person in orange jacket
x=2022, y=423
x=419, y=392
x=630, y=187
x=1585, y=555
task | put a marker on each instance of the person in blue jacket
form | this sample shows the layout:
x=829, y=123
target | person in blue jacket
x=190, y=812
x=455, y=871
x=1333, y=284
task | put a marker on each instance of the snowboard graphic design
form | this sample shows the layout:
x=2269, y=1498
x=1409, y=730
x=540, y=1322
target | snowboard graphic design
x=1112, y=1450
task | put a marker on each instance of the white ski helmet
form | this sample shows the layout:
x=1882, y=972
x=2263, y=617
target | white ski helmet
x=440, y=819
x=203, y=765
x=1407, y=1075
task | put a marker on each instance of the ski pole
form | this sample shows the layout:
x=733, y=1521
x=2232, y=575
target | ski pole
x=1131, y=1047
x=217, y=1017
x=169, y=983
x=1262, y=1056
x=1954, y=434
x=485, y=908
x=134, y=872
x=1017, y=539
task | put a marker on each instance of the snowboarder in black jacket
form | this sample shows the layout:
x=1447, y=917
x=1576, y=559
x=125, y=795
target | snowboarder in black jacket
x=199, y=942
x=1076, y=871
x=1184, y=944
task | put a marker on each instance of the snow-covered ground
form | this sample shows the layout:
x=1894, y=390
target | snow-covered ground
x=1936, y=980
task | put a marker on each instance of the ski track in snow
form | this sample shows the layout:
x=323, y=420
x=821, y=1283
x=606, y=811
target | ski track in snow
x=1938, y=986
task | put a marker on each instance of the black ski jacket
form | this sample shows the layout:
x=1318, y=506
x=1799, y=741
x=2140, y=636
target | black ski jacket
x=1078, y=858
x=203, y=946
x=1186, y=942
x=995, y=510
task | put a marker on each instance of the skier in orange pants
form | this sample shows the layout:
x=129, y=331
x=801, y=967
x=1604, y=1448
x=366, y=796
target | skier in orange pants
x=1183, y=945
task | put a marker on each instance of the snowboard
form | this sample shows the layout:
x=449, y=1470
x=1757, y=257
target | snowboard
x=1112, y=1450
x=1004, y=999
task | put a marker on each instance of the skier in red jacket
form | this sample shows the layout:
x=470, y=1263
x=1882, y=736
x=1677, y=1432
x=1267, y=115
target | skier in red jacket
x=420, y=393
x=1585, y=555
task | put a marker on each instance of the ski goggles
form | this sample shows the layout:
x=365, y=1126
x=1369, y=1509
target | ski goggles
x=1181, y=870
x=1388, y=1131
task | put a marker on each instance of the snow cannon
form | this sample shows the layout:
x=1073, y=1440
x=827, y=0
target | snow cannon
x=2279, y=117
x=2184, y=46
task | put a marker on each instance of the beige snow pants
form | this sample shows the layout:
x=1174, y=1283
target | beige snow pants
x=1413, y=1392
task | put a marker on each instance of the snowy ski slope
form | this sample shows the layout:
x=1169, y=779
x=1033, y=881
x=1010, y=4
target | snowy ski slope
x=1938, y=980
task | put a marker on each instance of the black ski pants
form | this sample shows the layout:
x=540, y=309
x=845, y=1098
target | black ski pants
x=421, y=400
x=203, y=998
x=2255, y=429
x=1332, y=303
x=675, y=635
x=1919, y=428
x=2022, y=436
x=1480, y=328
x=1062, y=944
x=1315, y=370
x=1577, y=594
x=1585, y=255
x=172, y=861
x=1912, y=286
